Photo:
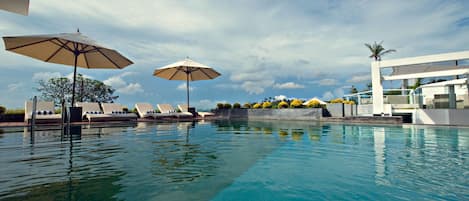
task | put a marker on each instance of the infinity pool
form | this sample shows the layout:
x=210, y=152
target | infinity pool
x=237, y=160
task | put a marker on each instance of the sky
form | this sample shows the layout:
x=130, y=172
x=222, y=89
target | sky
x=293, y=49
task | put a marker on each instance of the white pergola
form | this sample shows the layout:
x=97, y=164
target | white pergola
x=415, y=67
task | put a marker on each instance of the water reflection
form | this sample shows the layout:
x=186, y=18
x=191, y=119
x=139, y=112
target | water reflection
x=192, y=161
x=297, y=134
x=379, y=137
x=59, y=165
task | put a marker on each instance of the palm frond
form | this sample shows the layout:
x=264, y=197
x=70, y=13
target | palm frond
x=377, y=50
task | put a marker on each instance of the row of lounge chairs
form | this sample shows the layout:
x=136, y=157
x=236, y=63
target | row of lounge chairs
x=45, y=112
x=146, y=110
x=110, y=111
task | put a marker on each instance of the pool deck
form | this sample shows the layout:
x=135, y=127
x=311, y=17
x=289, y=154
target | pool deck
x=367, y=120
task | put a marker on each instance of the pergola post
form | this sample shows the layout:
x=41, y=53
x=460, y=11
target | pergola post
x=377, y=88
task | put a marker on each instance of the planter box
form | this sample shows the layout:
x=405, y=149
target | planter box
x=335, y=109
x=314, y=114
x=341, y=110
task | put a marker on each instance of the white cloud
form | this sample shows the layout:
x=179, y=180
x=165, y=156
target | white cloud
x=227, y=86
x=15, y=86
x=327, y=82
x=256, y=87
x=280, y=97
x=70, y=76
x=131, y=88
x=126, y=74
x=339, y=92
x=328, y=95
x=116, y=82
x=359, y=78
x=45, y=76
x=206, y=104
x=183, y=87
x=288, y=85
x=122, y=86
x=286, y=47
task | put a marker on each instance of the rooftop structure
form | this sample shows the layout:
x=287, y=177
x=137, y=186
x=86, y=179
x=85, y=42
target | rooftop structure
x=437, y=65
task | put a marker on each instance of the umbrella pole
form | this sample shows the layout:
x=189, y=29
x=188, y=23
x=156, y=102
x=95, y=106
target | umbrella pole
x=187, y=89
x=74, y=77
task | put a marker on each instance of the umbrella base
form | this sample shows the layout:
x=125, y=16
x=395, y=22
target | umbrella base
x=75, y=114
x=192, y=110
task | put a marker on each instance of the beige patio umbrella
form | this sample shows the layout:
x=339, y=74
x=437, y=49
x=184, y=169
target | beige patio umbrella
x=15, y=6
x=187, y=70
x=72, y=49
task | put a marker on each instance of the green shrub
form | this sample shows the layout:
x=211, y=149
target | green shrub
x=313, y=104
x=220, y=106
x=267, y=104
x=236, y=105
x=282, y=104
x=257, y=106
x=15, y=111
x=349, y=102
x=337, y=100
x=227, y=106
x=2, y=110
x=297, y=103
x=247, y=105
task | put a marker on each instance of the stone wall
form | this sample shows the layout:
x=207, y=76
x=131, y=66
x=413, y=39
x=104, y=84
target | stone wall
x=341, y=110
x=335, y=109
x=442, y=116
x=309, y=114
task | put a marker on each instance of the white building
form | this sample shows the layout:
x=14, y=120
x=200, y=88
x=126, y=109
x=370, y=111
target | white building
x=433, y=104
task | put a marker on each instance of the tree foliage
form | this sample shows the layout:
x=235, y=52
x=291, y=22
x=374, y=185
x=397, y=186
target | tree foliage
x=86, y=90
x=377, y=50
x=353, y=90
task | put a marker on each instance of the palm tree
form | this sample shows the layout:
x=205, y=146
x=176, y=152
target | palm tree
x=377, y=50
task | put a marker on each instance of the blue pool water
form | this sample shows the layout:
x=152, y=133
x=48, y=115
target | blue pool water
x=235, y=160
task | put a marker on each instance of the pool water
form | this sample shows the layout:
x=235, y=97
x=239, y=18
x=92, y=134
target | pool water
x=235, y=160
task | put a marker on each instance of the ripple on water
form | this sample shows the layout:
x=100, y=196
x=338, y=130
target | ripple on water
x=237, y=161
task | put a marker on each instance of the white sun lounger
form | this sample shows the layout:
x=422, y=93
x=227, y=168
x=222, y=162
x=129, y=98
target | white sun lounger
x=168, y=109
x=92, y=112
x=117, y=111
x=183, y=108
x=146, y=110
x=45, y=112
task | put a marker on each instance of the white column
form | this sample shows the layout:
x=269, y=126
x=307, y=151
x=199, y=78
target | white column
x=405, y=84
x=377, y=88
x=451, y=97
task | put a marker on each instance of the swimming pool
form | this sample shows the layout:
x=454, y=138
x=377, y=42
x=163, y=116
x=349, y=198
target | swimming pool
x=235, y=160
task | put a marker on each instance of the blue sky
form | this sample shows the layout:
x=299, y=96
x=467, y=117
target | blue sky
x=262, y=48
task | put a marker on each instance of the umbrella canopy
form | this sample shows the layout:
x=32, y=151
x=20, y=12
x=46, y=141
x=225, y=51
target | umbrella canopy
x=187, y=70
x=72, y=49
x=315, y=99
x=15, y=6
